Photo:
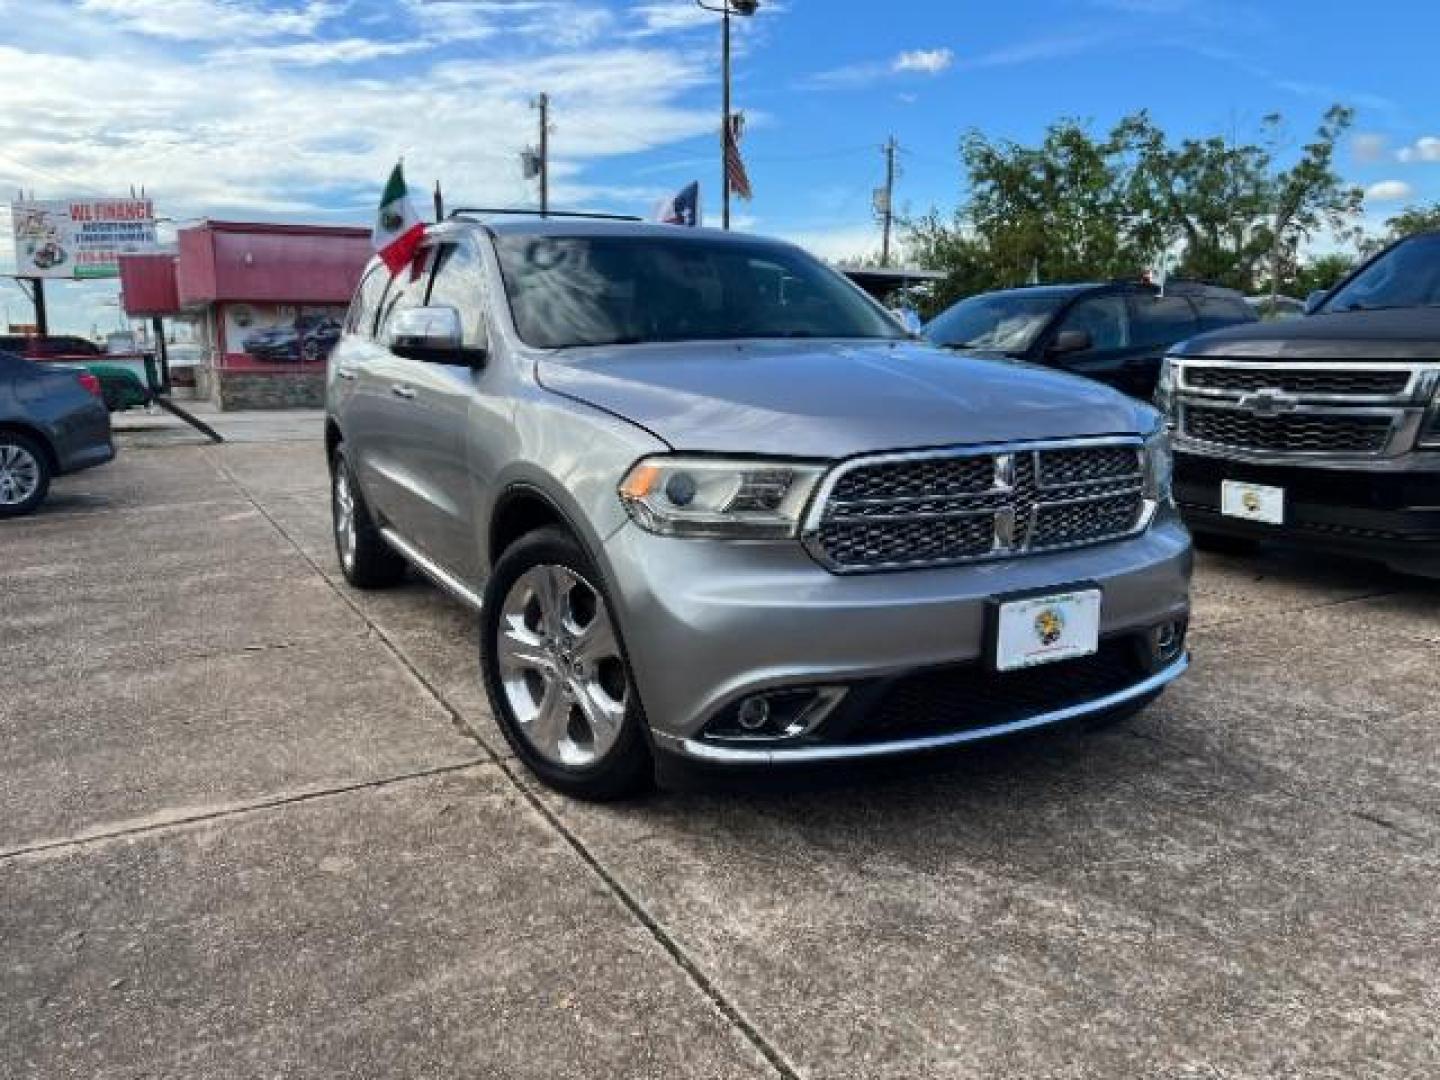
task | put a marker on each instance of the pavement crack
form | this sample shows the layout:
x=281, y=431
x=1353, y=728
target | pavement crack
x=165, y=823
x=627, y=900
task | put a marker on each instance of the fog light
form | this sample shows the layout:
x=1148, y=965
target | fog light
x=780, y=714
x=1170, y=641
x=755, y=714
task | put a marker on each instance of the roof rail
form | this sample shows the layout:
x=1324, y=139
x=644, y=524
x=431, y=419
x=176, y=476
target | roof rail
x=480, y=211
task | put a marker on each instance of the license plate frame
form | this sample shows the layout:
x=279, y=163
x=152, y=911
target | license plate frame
x=1021, y=624
x=1246, y=501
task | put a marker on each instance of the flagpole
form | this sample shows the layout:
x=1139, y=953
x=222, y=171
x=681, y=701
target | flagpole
x=725, y=118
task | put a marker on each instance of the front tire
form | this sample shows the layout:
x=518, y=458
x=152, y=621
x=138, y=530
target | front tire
x=366, y=560
x=556, y=672
x=24, y=475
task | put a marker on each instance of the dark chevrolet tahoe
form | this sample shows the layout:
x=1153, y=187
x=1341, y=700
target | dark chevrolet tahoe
x=1322, y=431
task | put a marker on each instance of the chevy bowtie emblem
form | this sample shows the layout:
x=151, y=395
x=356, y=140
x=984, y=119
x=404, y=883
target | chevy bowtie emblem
x=1269, y=402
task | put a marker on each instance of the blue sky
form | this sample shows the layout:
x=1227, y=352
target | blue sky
x=294, y=109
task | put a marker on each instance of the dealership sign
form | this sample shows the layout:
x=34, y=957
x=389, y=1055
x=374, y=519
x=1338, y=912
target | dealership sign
x=80, y=238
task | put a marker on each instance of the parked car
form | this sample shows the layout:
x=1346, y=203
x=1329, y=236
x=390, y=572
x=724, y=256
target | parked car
x=120, y=387
x=52, y=422
x=1115, y=333
x=309, y=337
x=1322, y=431
x=50, y=347
x=712, y=502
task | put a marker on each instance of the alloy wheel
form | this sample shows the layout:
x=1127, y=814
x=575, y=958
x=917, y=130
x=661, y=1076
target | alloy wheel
x=560, y=665
x=344, y=517
x=19, y=474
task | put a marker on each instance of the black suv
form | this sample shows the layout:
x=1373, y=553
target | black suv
x=1116, y=332
x=1323, y=430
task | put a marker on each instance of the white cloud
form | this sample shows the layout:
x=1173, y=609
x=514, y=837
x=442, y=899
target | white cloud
x=318, y=53
x=1368, y=147
x=1389, y=191
x=928, y=61
x=214, y=20
x=667, y=16
x=1426, y=148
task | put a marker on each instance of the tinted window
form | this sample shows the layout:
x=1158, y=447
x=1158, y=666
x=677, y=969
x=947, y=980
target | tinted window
x=1161, y=321
x=597, y=290
x=407, y=290
x=1105, y=318
x=460, y=283
x=361, y=319
x=1408, y=275
x=1008, y=322
x=1221, y=311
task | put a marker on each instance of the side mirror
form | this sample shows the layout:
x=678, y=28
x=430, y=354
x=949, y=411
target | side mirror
x=1314, y=300
x=433, y=335
x=1070, y=341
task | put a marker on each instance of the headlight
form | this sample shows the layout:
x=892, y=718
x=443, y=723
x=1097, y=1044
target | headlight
x=1159, y=469
x=1165, y=391
x=719, y=498
x=1430, y=432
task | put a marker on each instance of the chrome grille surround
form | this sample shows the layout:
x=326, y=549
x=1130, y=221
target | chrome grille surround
x=1322, y=411
x=935, y=508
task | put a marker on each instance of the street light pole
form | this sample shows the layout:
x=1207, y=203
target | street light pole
x=725, y=10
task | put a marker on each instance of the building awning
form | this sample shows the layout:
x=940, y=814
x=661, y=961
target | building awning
x=227, y=261
x=148, y=287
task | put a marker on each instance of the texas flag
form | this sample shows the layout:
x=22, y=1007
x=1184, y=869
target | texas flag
x=682, y=208
x=398, y=228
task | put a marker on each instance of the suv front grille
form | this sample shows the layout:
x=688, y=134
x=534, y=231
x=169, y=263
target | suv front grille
x=940, y=509
x=1304, y=381
x=1294, y=433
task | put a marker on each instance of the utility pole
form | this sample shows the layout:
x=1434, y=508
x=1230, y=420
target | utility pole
x=543, y=104
x=887, y=200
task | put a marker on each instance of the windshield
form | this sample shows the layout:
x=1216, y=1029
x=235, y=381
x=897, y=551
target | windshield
x=603, y=290
x=1408, y=275
x=1006, y=322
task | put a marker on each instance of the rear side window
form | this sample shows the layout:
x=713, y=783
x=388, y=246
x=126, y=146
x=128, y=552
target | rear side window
x=1220, y=311
x=361, y=319
x=1105, y=318
x=460, y=284
x=1161, y=321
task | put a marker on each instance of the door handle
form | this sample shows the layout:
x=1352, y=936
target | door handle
x=345, y=373
x=400, y=390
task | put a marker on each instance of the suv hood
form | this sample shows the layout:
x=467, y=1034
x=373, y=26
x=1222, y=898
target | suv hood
x=1401, y=334
x=834, y=399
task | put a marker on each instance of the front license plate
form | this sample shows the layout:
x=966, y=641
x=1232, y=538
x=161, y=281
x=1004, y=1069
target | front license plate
x=1253, y=502
x=1043, y=629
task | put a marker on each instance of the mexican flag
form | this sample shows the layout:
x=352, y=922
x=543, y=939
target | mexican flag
x=398, y=229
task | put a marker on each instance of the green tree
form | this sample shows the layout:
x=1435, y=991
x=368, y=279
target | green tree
x=1321, y=272
x=1412, y=220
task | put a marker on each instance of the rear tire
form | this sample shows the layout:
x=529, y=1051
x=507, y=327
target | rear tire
x=24, y=475
x=366, y=560
x=555, y=669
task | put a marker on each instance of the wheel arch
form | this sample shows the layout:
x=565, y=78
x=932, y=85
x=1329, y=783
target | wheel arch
x=333, y=438
x=522, y=509
x=52, y=459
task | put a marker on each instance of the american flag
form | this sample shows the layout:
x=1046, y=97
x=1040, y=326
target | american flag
x=735, y=174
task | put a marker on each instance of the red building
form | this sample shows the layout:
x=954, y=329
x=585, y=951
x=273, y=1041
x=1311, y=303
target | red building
x=266, y=301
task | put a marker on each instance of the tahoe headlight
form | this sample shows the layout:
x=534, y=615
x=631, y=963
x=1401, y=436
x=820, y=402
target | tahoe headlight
x=718, y=497
x=1165, y=391
x=1159, y=469
x=1430, y=433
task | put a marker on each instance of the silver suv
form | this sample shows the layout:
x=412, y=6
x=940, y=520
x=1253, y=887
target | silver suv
x=711, y=501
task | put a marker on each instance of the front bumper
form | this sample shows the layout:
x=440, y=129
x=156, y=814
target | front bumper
x=1387, y=514
x=709, y=624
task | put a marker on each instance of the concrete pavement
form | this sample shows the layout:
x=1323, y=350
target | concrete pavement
x=253, y=823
